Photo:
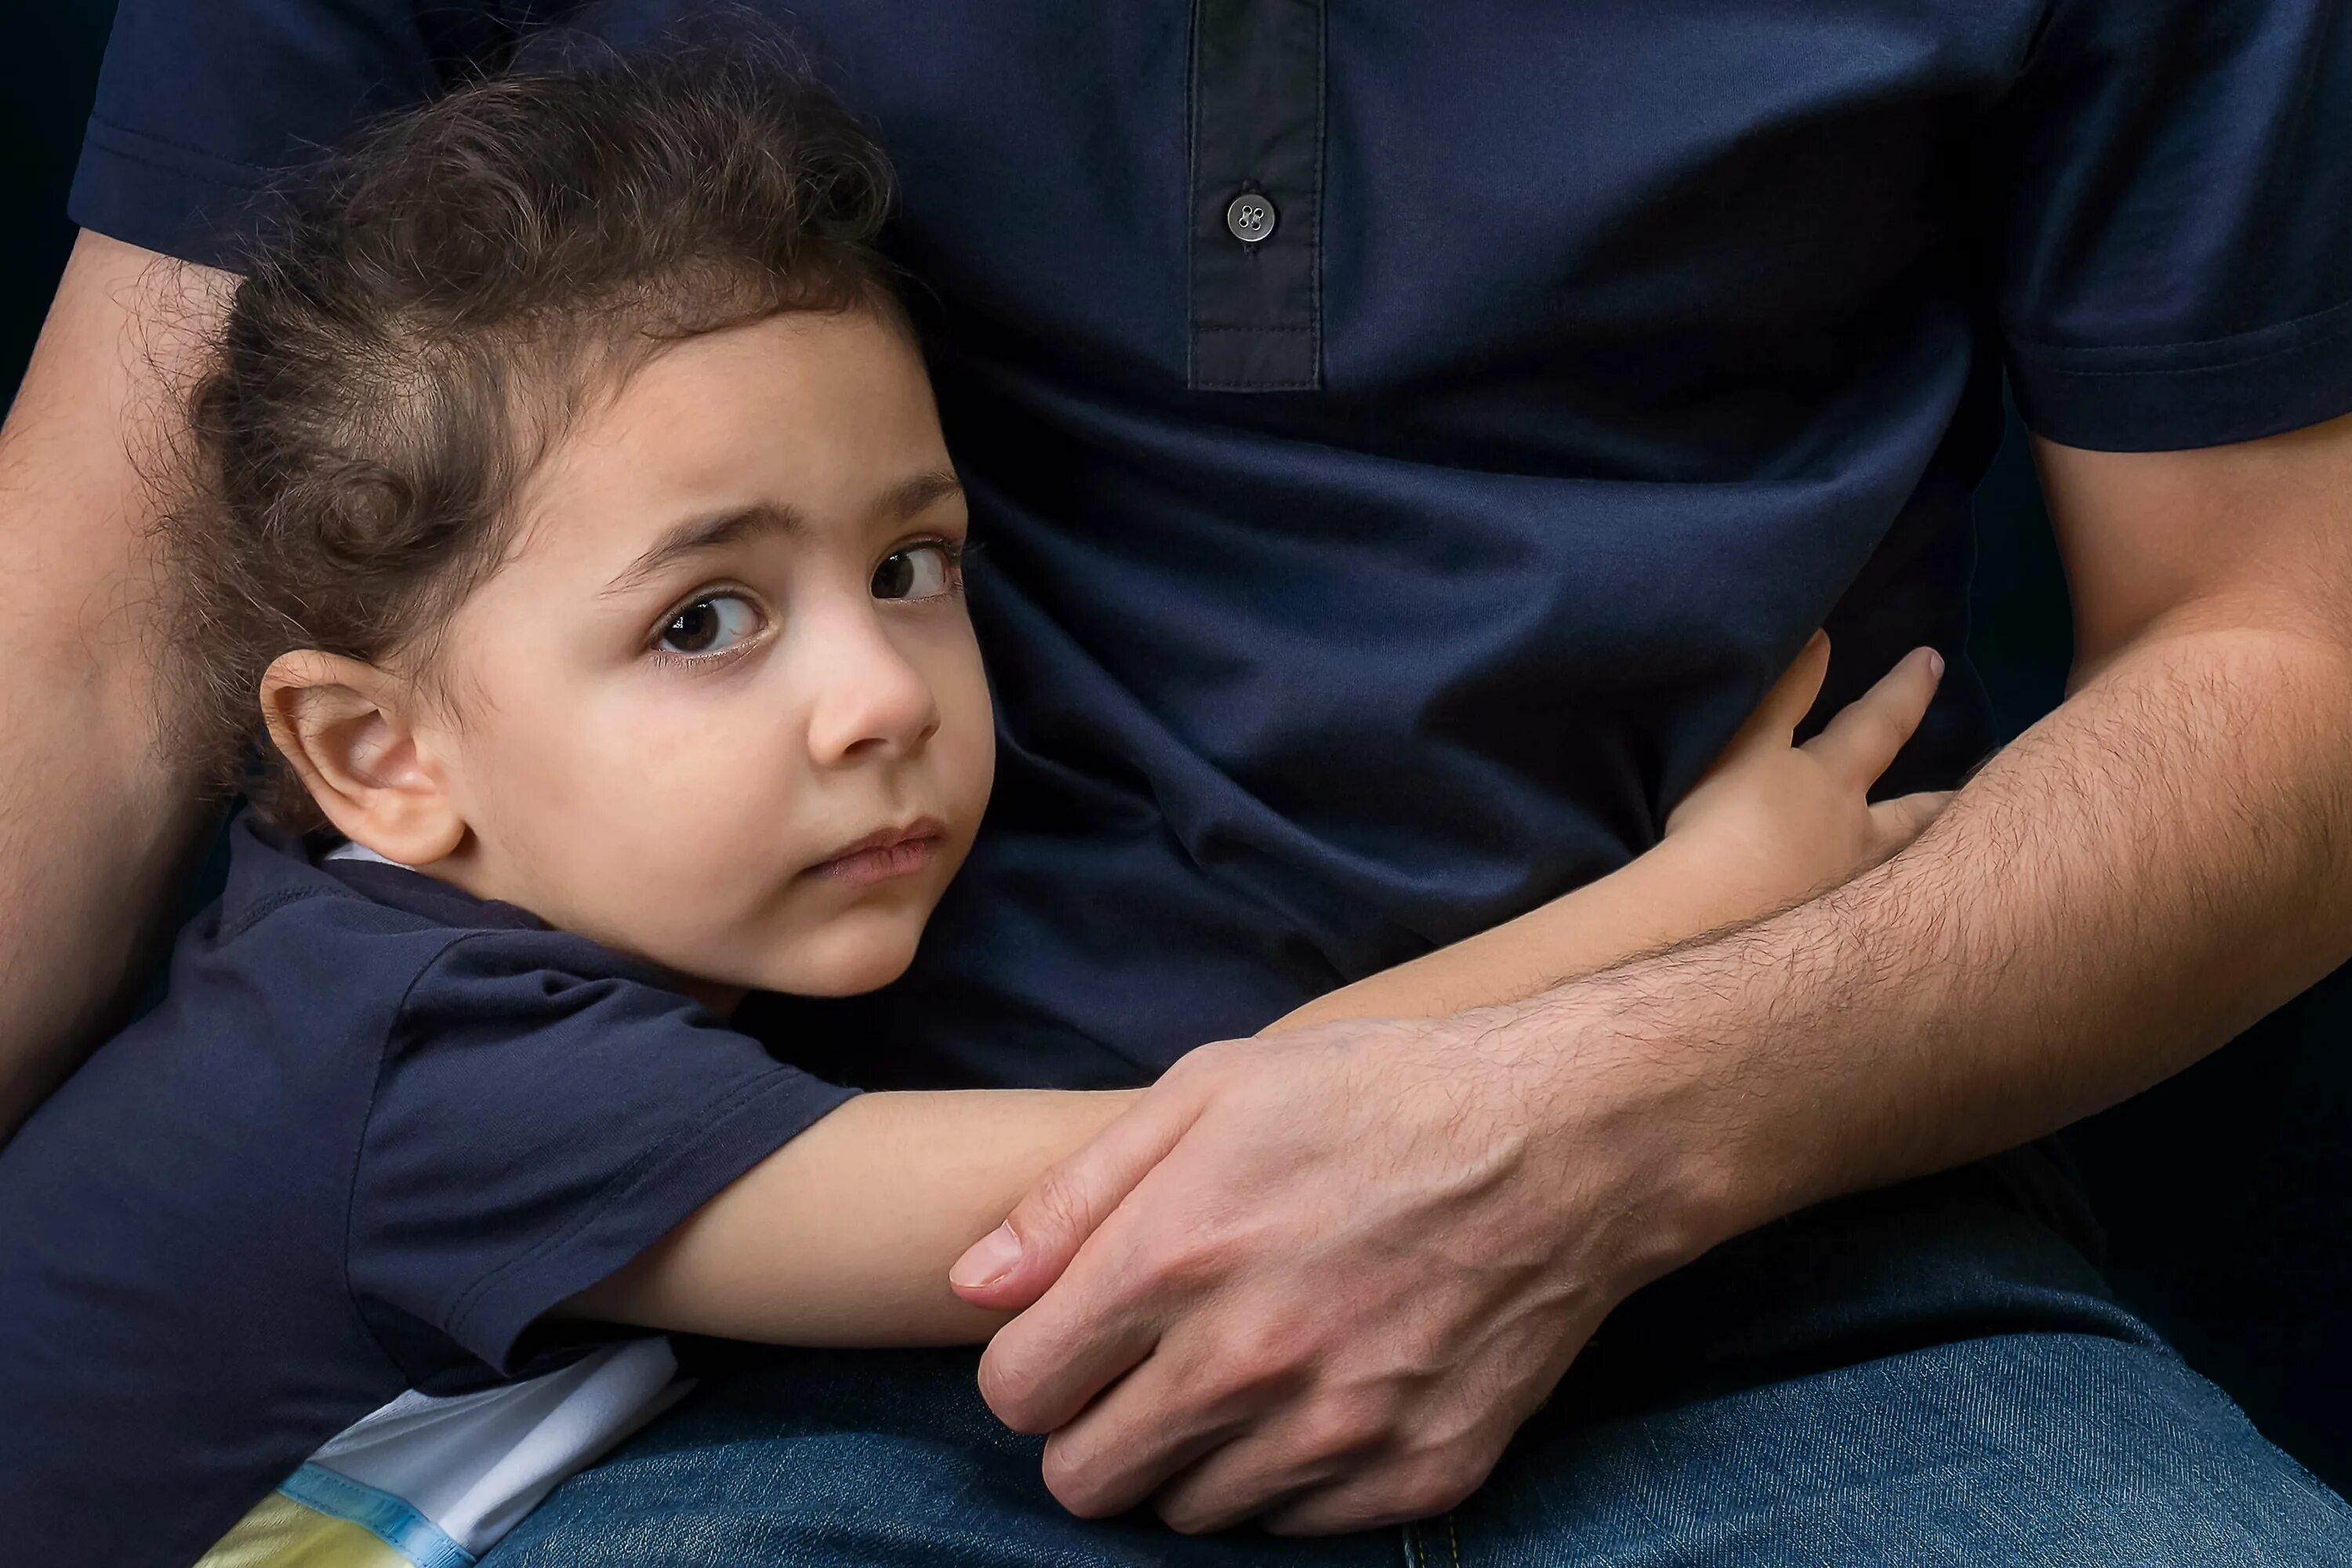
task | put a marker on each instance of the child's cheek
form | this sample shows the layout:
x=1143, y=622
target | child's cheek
x=705, y=786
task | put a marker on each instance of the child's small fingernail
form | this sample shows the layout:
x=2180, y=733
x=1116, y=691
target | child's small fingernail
x=1935, y=664
x=990, y=1259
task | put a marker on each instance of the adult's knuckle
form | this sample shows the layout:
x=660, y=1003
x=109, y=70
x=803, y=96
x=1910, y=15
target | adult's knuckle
x=1186, y=1265
x=1079, y=1481
x=1423, y=1499
x=1191, y=1516
x=1056, y=1206
x=1233, y=1384
x=1197, y=1071
x=1083, y=1495
x=1338, y=1425
x=1010, y=1385
x=1432, y=1483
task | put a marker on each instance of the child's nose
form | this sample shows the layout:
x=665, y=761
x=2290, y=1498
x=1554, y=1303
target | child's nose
x=874, y=701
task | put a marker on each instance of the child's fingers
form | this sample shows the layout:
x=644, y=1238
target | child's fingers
x=1863, y=738
x=1784, y=707
x=1792, y=696
x=1896, y=823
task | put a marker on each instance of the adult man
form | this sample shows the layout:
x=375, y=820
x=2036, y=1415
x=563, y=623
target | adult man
x=1408, y=440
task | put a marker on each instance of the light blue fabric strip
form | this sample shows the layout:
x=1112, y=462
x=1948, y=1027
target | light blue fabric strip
x=387, y=1518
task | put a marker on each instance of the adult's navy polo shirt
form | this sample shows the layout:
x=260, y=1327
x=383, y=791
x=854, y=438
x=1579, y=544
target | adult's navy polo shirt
x=1408, y=437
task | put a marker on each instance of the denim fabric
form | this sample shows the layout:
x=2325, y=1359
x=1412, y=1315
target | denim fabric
x=1926, y=1375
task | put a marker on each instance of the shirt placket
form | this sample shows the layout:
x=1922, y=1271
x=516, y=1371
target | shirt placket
x=1256, y=300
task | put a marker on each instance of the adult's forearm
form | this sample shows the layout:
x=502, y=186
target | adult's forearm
x=2154, y=866
x=93, y=814
x=91, y=831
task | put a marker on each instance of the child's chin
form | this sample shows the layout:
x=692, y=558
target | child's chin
x=854, y=969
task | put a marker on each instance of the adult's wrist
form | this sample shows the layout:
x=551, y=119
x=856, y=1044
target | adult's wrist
x=1711, y=1087
x=1630, y=1126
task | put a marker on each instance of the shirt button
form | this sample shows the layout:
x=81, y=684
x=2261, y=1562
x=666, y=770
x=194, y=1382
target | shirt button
x=1250, y=216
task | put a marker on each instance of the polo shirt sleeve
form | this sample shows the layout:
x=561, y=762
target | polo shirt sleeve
x=535, y=1126
x=2171, y=198
x=201, y=102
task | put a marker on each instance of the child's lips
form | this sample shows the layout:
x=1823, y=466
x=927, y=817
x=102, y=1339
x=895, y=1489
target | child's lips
x=882, y=856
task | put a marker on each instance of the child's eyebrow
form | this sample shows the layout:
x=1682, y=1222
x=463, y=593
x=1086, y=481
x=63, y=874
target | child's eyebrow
x=902, y=500
x=699, y=534
x=912, y=494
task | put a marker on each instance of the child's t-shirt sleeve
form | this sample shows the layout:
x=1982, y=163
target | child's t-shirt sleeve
x=2167, y=198
x=536, y=1123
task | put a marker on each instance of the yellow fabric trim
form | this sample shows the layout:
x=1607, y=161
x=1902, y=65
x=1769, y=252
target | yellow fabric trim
x=281, y=1533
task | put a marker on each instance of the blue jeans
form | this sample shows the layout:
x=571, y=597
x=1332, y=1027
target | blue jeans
x=1922, y=1376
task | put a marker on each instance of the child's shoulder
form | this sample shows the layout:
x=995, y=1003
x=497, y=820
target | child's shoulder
x=285, y=889
x=292, y=1002
x=354, y=935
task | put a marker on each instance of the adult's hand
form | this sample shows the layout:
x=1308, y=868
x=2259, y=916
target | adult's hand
x=1358, y=1257
x=1324, y=1276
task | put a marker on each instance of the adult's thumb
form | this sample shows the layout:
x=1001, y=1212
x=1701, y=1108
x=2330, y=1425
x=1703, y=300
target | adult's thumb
x=1011, y=1267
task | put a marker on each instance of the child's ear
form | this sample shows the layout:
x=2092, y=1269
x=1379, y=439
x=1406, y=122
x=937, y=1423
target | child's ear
x=346, y=728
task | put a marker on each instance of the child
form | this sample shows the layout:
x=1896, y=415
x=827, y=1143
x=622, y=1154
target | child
x=579, y=546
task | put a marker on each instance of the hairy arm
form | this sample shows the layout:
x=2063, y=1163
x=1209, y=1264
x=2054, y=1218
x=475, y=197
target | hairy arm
x=2141, y=875
x=93, y=818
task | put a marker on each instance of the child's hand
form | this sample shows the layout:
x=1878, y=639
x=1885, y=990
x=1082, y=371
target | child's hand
x=1799, y=816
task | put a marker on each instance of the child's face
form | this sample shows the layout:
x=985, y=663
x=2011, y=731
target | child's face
x=723, y=708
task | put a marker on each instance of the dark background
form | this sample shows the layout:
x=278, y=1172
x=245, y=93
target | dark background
x=2223, y=1192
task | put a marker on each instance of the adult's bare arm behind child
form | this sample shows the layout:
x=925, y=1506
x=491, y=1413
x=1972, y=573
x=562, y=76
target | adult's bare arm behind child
x=845, y=1235
x=93, y=816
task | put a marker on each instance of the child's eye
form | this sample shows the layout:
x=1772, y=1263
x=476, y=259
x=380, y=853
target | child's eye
x=711, y=625
x=918, y=571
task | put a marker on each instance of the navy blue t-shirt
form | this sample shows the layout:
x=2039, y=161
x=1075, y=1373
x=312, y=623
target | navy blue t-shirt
x=377, y=1129
x=1368, y=569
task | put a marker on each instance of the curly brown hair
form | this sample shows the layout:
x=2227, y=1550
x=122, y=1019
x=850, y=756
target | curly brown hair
x=430, y=307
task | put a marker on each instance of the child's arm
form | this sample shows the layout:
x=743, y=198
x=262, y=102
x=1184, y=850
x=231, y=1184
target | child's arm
x=845, y=1235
